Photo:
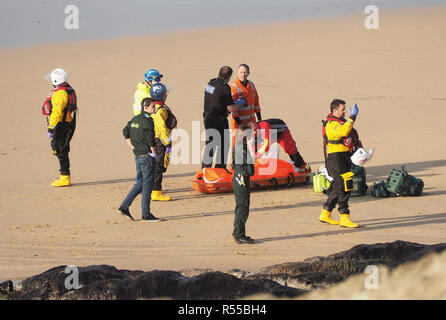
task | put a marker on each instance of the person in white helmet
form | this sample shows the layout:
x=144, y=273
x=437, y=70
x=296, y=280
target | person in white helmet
x=60, y=108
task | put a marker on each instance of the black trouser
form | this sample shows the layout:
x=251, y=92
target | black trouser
x=337, y=164
x=159, y=165
x=222, y=126
x=242, y=201
x=60, y=144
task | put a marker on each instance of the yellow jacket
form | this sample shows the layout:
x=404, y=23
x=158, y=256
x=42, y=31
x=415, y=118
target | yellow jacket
x=142, y=91
x=335, y=131
x=59, y=101
x=162, y=132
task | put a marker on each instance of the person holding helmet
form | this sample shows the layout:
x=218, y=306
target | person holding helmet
x=143, y=89
x=164, y=122
x=60, y=108
x=338, y=141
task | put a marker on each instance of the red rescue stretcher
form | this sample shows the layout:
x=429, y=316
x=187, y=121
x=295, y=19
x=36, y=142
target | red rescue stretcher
x=278, y=173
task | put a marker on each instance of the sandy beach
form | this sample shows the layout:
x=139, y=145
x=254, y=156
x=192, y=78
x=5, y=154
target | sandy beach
x=396, y=75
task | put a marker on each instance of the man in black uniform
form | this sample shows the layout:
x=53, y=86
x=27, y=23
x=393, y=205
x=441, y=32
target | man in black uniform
x=139, y=133
x=243, y=166
x=217, y=106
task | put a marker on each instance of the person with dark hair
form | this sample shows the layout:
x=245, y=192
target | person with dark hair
x=139, y=133
x=217, y=106
x=243, y=165
x=244, y=93
x=338, y=141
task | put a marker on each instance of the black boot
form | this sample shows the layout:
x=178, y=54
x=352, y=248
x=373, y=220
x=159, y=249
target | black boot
x=297, y=159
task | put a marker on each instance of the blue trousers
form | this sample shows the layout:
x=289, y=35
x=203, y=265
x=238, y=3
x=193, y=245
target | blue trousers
x=145, y=174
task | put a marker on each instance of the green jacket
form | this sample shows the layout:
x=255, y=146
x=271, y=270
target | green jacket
x=141, y=132
x=242, y=162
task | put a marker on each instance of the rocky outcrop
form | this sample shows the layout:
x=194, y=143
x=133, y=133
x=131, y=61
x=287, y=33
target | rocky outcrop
x=324, y=272
x=416, y=280
x=288, y=280
x=106, y=282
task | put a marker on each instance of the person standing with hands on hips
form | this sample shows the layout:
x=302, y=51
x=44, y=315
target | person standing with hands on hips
x=60, y=108
x=139, y=133
x=338, y=140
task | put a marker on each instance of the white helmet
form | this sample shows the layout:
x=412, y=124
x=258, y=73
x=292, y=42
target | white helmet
x=360, y=157
x=58, y=76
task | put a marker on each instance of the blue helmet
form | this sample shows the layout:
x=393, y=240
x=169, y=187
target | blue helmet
x=157, y=91
x=153, y=75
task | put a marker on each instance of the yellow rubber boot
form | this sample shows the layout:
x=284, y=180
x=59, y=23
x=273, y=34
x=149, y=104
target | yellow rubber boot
x=345, y=221
x=158, y=196
x=64, y=181
x=326, y=217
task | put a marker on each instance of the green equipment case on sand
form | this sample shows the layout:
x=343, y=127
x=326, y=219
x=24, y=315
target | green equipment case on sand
x=399, y=183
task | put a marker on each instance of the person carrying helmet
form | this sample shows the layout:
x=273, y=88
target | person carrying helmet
x=60, y=108
x=143, y=89
x=218, y=104
x=283, y=136
x=245, y=95
x=164, y=123
x=337, y=134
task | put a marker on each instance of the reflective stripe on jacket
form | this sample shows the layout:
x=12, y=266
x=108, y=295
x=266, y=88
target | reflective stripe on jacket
x=249, y=93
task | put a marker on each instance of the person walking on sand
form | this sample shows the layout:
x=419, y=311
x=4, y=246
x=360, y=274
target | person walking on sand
x=143, y=89
x=243, y=166
x=60, y=108
x=218, y=104
x=337, y=134
x=139, y=133
x=244, y=93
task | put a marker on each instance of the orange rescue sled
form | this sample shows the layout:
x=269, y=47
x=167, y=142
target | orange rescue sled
x=269, y=173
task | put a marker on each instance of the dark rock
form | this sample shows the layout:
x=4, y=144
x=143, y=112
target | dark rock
x=283, y=280
x=325, y=271
x=5, y=288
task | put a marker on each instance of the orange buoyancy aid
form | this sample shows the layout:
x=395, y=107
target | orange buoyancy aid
x=249, y=94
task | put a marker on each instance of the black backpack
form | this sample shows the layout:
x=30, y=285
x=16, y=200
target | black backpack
x=378, y=190
x=359, y=181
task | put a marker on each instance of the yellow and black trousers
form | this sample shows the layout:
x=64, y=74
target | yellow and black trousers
x=339, y=167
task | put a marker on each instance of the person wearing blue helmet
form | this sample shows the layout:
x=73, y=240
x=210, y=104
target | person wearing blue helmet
x=143, y=89
x=164, y=121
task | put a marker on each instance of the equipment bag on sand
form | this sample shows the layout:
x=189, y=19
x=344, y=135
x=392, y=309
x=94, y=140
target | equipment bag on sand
x=401, y=183
x=359, y=181
x=320, y=183
x=378, y=190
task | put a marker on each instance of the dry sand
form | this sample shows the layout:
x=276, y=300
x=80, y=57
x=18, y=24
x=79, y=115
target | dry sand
x=395, y=74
